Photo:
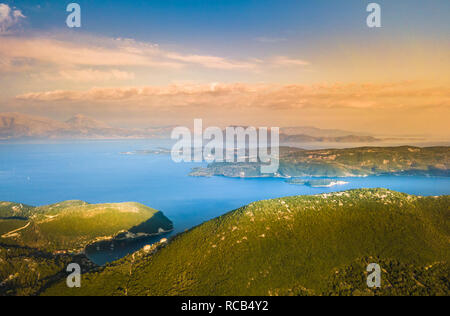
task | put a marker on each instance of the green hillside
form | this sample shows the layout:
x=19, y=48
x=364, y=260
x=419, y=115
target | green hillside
x=304, y=245
x=8, y=210
x=11, y=225
x=26, y=271
x=365, y=161
x=71, y=225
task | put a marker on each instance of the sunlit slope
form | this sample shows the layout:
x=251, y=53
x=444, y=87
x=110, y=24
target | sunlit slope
x=71, y=225
x=295, y=246
x=9, y=209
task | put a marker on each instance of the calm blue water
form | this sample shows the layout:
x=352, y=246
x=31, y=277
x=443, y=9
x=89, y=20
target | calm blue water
x=96, y=172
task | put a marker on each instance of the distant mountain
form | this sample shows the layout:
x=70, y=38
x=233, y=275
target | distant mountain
x=284, y=138
x=301, y=135
x=312, y=132
x=318, y=132
x=83, y=122
x=21, y=126
x=159, y=132
x=15, y=125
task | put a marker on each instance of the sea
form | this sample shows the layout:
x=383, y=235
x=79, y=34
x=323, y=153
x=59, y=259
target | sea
x=110, y=171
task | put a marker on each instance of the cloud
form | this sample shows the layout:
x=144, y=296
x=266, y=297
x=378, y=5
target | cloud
x=270, y=96
x=211, y=61
x=87, y=75
x=86, y=54
x=105, y=52
x=142, y=93
x=286, y=61
x=400, y=107
x=113, y=52
x=9, y=18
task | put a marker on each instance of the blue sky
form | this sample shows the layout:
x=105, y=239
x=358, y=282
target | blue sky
x=201, y=23
x=309, y=62
x=260, y=29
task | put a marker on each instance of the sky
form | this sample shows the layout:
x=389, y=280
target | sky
x=230, y=62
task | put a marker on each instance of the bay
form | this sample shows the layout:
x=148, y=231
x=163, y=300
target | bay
x=100, y=172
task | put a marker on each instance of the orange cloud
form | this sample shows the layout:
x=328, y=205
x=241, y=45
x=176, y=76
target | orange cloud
x=211, y=61
x=107, y=52
x=390, y=108
x=84, y=56
x=286, y=61
x=393, y=95
x=87, y=75
x=63, y=53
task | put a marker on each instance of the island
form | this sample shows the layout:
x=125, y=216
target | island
x=337, y=163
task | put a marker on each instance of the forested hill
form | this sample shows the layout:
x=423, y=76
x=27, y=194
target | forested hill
x=37, y=243
x=69, y=226
x=302, y=245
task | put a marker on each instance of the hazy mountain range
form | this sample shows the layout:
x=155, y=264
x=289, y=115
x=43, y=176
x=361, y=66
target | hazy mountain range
x=16, y=126
x=318, y=132
x=21, y=126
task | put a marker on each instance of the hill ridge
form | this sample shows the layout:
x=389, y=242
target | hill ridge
x=284, y=245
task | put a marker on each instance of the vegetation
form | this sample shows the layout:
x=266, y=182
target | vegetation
x=304, y=245
x=10, y=225
x=37, y=243
x=71, y=225
x=397, y=279
x=14, y=210
x=26, y=271
x=352, y=162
